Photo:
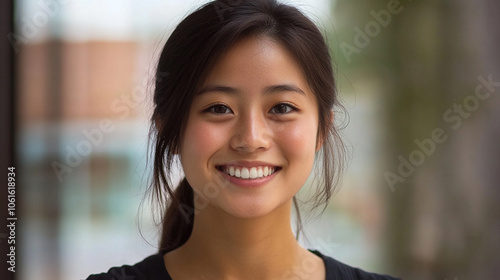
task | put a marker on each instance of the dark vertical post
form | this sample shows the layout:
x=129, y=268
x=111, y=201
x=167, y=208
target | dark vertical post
x=7, y=121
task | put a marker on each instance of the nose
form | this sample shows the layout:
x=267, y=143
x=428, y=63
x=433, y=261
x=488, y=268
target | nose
x=251, y=134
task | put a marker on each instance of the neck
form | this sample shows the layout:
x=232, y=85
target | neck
x=231, y=246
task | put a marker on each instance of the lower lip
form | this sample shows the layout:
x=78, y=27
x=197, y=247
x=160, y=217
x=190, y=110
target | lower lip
x=249, y=182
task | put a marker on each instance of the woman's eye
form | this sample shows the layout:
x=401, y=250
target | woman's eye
x=282, y=108
x=219, y=109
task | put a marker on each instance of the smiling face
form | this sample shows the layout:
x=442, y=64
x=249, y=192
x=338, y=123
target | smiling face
x=251, y=134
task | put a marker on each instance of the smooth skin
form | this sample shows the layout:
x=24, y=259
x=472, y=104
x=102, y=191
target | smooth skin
x=255, y=105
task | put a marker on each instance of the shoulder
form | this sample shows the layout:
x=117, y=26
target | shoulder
x=151, y=267
x=339, y=270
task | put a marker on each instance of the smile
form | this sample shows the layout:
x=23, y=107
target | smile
x=249, y=173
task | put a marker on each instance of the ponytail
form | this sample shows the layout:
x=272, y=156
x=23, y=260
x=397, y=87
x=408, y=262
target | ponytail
x=177, y=223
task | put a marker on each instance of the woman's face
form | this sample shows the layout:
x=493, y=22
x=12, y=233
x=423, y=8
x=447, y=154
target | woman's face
x=251, y=135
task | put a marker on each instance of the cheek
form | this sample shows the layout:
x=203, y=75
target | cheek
x=299, y=139
x=200, y=139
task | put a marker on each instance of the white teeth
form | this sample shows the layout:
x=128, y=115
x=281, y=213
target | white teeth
x=253, y=173
x=246, y=173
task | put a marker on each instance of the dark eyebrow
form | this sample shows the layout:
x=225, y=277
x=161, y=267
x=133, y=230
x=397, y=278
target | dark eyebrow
x=284, y=87
x=267, y=90
x=212, y=88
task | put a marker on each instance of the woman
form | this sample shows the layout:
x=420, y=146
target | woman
x=244, y=99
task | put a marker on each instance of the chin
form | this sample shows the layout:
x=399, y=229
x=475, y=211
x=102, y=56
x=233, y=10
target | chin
x=252, y=209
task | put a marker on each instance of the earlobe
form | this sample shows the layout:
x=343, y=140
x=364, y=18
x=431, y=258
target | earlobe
x=320, y=142
x=318, y=146
x=321, y=138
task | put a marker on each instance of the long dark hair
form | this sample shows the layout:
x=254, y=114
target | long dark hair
x=188, y=55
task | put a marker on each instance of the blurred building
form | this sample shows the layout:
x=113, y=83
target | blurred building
x=83, y=132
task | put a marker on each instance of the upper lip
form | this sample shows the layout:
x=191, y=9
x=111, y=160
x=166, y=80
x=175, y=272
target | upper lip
x=244, y=163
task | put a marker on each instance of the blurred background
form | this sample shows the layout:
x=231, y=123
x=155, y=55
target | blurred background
x=420, y=81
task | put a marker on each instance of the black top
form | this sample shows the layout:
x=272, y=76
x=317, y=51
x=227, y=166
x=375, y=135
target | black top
x=153, y=268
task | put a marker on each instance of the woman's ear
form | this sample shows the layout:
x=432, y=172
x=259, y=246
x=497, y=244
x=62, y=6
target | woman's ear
x=320, y=144
x=321, y=138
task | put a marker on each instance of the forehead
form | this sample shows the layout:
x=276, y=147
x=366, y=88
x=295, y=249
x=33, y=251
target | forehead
x=257, y=61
